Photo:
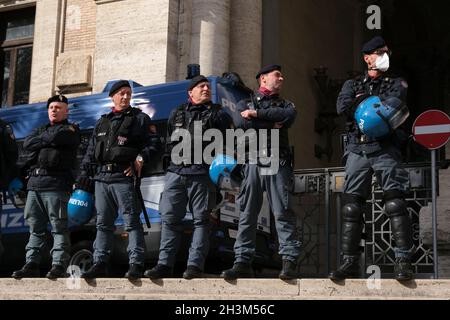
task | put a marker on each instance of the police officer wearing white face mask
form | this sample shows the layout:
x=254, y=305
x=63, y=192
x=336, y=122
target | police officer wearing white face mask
x=367, y=155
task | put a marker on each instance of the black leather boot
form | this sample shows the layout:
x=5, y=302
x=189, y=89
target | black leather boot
x=192, y=272
x=348, y=269
x=159, y=271
x=29, y=270
x=289, y=270
x=403, y=270
x=135, y=271
x=239, y=270
x=98, y=270
x=57, y=271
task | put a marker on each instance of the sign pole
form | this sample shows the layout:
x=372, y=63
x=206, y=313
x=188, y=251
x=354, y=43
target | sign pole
x=431, y=129
x=434, y=212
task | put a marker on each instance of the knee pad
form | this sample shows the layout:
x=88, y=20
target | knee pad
x=352, y=225
x=395, y=207
x=351, y=212
x=352, y=209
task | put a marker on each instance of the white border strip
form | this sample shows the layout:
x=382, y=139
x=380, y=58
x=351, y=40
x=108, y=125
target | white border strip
x=439, y=128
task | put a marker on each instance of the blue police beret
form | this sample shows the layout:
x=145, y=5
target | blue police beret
x=196, y=80
x=58, y=98
x=117, y=85
x=268, y=69
x=373, y=44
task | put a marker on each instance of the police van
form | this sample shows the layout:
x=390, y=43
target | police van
x=157, y=101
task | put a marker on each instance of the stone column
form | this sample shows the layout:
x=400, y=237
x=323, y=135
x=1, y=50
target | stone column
x=246, y=39
x=45, y=49
x=210, y=35
x=184, y=27
x=271, y=27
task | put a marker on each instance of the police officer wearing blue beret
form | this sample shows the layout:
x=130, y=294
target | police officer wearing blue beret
x=187, y=183
x=122, y=141
x=51, y=154
x=267, y=110
x=365, y=156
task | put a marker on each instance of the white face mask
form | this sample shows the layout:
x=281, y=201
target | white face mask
x=382, y=62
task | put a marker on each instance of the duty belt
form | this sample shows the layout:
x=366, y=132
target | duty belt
x=47, y=172
x=113, y=167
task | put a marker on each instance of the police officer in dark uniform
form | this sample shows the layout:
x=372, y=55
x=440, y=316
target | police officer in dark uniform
x=365, y=156
x=121, y=142
x=8, y=158
x=187, y=183
x=267, y=110
x=52, y=154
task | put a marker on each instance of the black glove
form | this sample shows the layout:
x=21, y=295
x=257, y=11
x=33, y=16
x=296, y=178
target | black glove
x=85, y=183
x=360, y=97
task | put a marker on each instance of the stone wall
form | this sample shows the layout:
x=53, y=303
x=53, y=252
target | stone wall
x=131, y=41
x=79, y=31
x=79, y=45
x=74, y=63
x=221, y=36
x=303, y=35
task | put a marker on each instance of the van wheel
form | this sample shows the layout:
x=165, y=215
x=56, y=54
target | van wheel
x=81, y=255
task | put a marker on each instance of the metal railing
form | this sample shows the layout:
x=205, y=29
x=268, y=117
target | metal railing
x=317, y=203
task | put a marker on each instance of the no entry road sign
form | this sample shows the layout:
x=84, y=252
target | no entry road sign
x=432, y=129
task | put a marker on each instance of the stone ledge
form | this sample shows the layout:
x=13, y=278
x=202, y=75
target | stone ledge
x=218, y=289
x=388, y=288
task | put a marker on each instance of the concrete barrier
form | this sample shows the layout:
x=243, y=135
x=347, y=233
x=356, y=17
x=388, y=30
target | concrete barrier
x=219, y=289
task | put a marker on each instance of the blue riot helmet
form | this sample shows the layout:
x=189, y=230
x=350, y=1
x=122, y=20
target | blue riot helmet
x=80, y=207
x=376, y=118
x=17, y=193
x=15, y=185
x=224, y=172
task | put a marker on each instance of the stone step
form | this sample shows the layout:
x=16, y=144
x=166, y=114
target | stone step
x=219, y=289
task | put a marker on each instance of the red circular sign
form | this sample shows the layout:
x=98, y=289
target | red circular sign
x=432, y=129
